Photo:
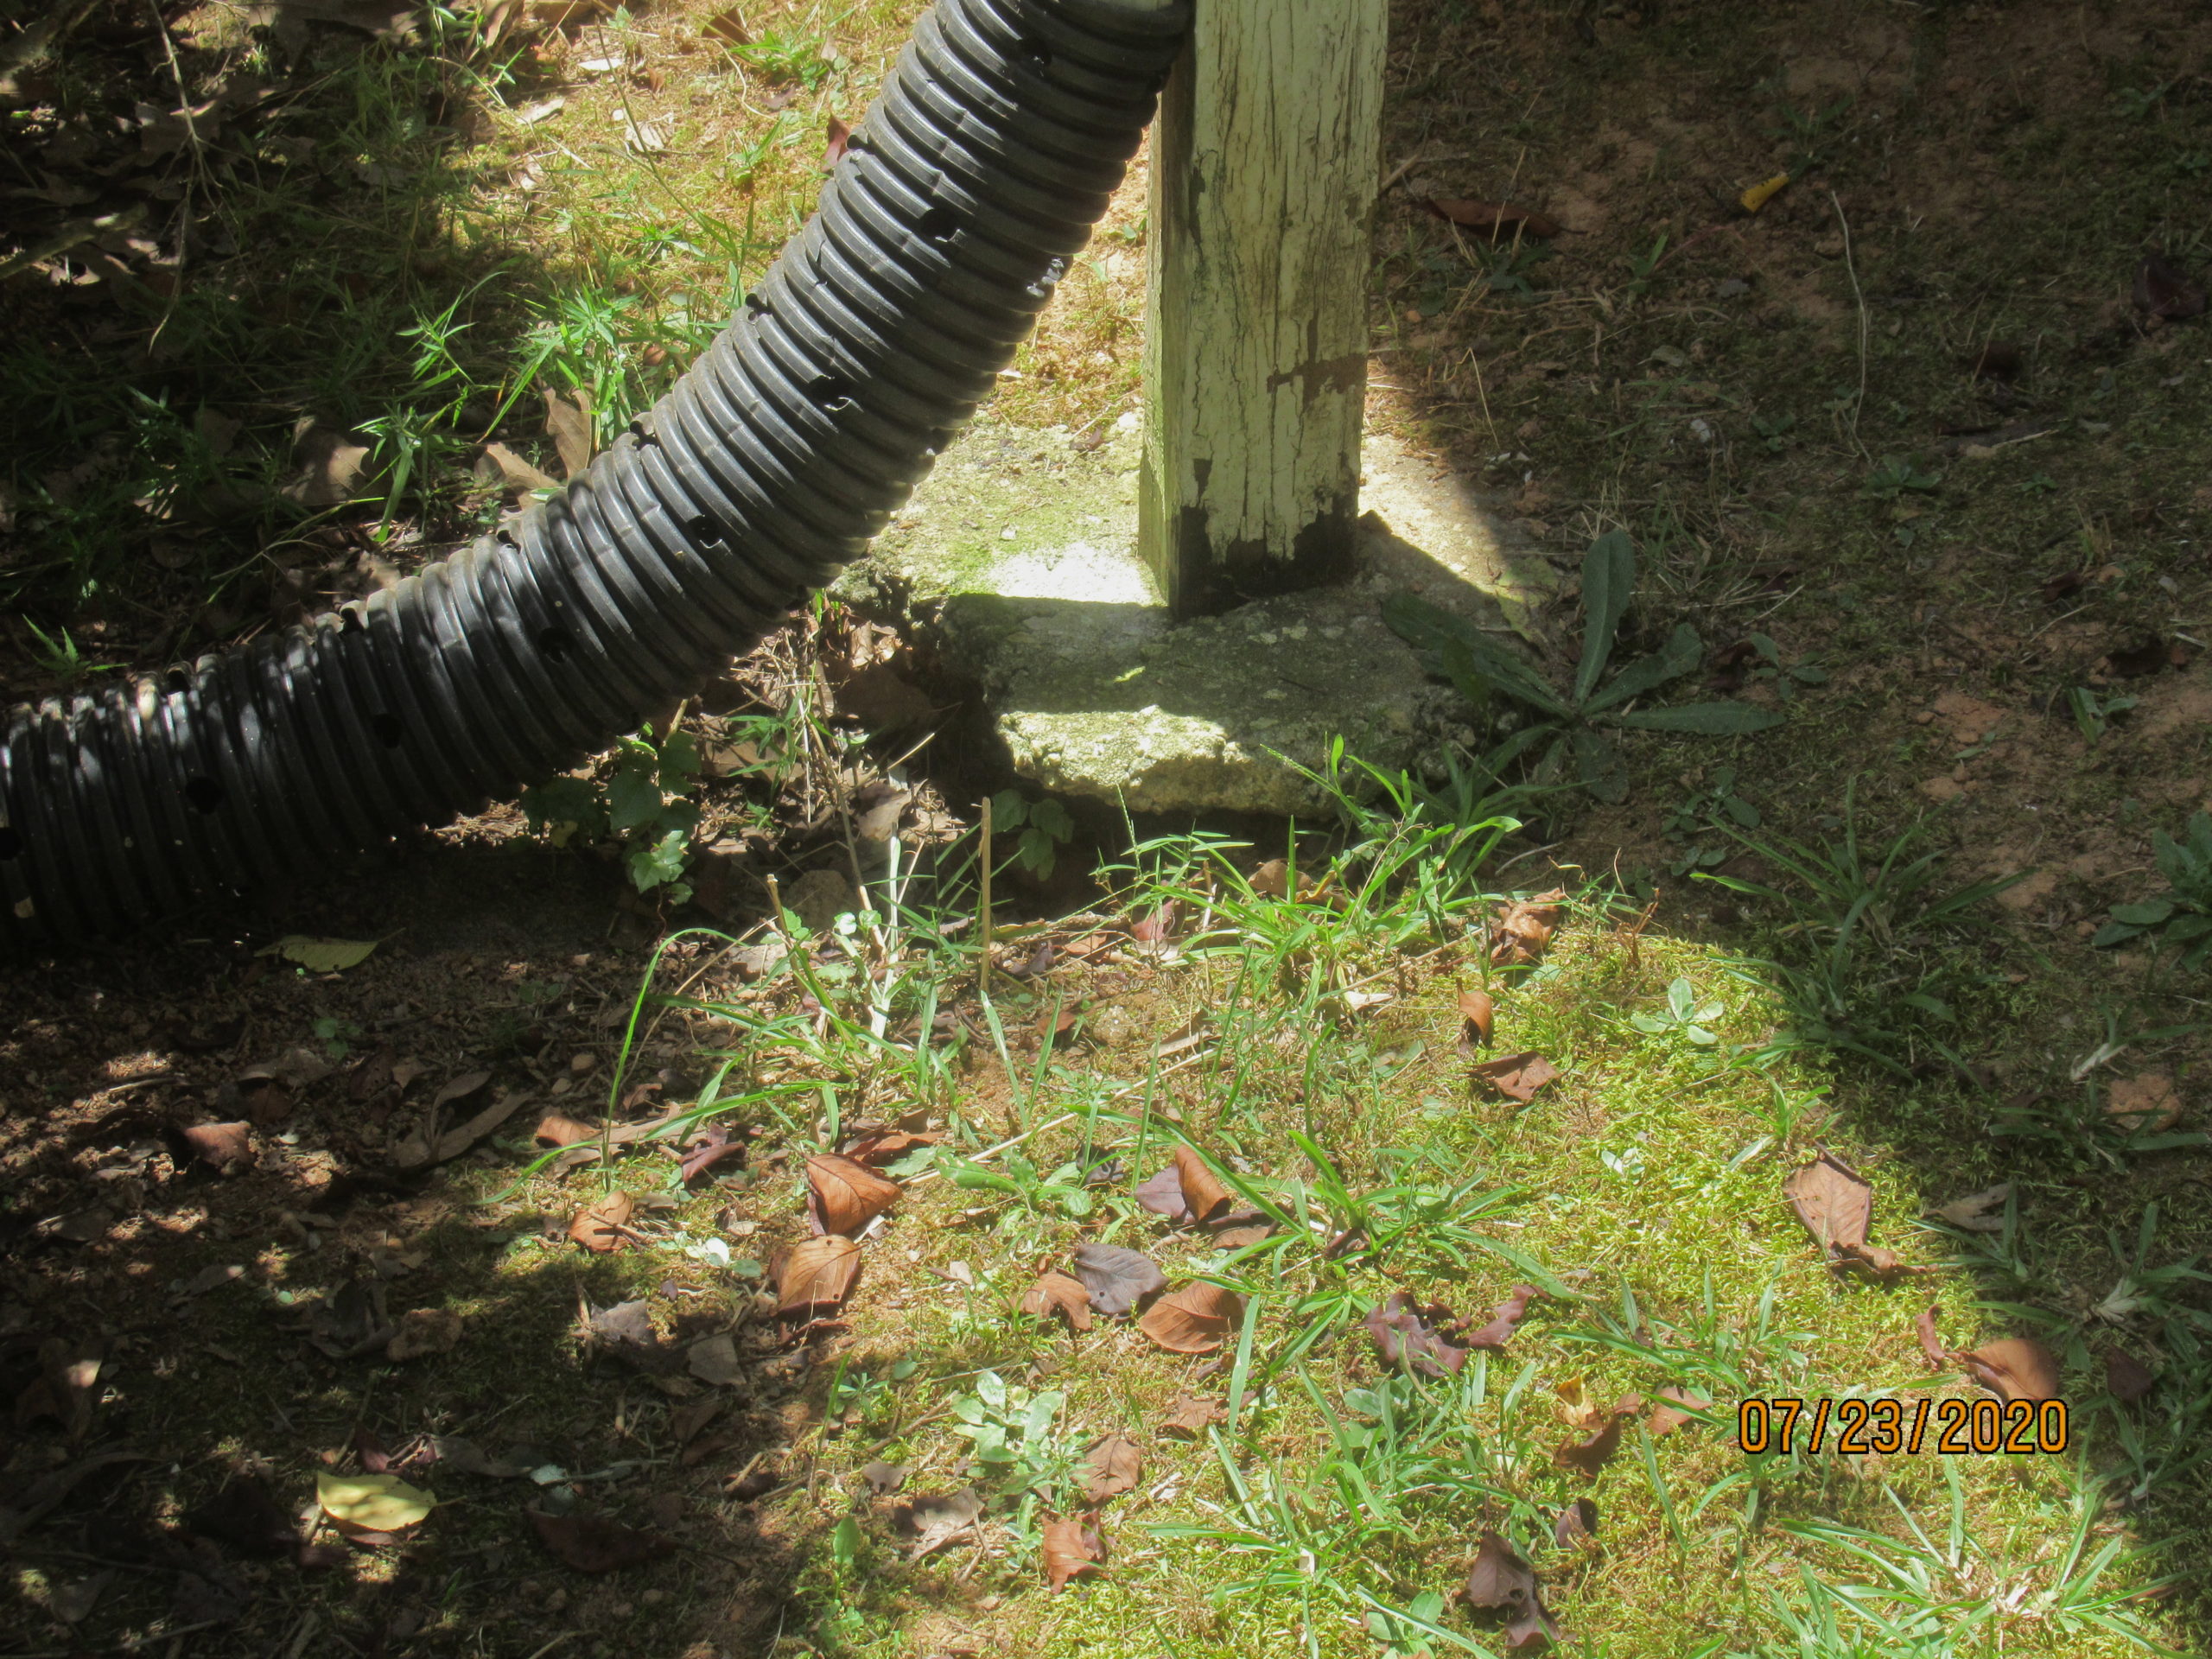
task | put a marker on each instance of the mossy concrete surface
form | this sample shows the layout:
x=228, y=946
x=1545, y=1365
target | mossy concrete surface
x=1016, y=563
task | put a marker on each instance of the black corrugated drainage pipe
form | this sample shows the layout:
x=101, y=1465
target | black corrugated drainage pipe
x=973, y=181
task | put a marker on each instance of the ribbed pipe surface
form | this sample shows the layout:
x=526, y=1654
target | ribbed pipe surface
x=1005, y=128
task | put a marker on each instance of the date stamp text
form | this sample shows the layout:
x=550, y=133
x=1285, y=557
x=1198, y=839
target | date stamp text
x=1983, y=1428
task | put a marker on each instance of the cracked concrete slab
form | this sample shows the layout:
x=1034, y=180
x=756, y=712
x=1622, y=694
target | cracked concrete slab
x=1016, y=562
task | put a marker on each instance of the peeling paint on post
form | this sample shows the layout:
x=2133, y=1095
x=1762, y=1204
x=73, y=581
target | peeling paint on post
x=1263, y=176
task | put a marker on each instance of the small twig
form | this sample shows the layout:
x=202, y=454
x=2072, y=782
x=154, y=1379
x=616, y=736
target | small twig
x=776, y=909
x=198, y=174
x=1851, y=265
x=1636, y=933
x=1415, y=160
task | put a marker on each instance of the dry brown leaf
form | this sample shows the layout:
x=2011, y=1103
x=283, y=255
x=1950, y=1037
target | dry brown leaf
x=1163, y=1195
x=2163, y=289
x=1836, y=1203
x=1191, y=1416
x=1407, y=1333
x=2018, y=1368
x=459, y=1088
x=568, y=423
x=1480, y=1014
x=727, y=27
x=1117, y=1279
x=1524, y=927
x=1665, y=1420
x=462, y=1136
x=817, y=1274
x=1930, y=1344
x=1576, y=1523
x=591, y=1544
x=266, y=1100
x=63, y=1390
x=1498, y=221
x=1588, y=1455
x=1204, y=1195
x=603, y=1225
x=332, y=465
x=877, y=1148
x=686, y=1421
x=1235, y=1238
x=1056, y=1293
x=2127, y=1378
x=935, y=1521
x=2144, y=1104
x=1582, y=1411
x=704, y=1152
x=1517, y=1077
x=884, y=1478
x=714, y=1360
x=503, y=466
x=226, y=1145
x=1502, y=1582
x=424, y=1331
x=627, y=1329
x=833, y=151
x=1195, y=1319
x=1157, y=928
x=1272, y=879
x=1111, y=1466
x=1506, y=1318
x=1977, y=1212
x=1074, y=1548
x=842, y=1196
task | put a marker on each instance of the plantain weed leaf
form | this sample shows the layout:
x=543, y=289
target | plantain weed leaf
x=2149, y=913
x=1608, y=584
x=1682, y=653
x=1598, y=764
x=1468, y=654
x=1516, y=745
x=1451, y=660
x=1420, y=623
x=1552, y=772
x=1507, y=673
x=1709, y=719
x=2113, y=933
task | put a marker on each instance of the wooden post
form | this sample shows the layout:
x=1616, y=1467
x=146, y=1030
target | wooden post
x=1263, y=186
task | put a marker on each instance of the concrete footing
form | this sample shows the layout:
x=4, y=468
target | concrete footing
x=1016, y=564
